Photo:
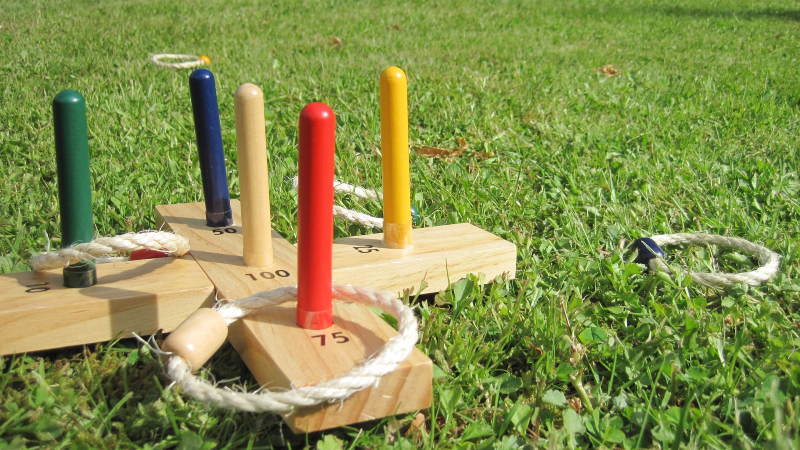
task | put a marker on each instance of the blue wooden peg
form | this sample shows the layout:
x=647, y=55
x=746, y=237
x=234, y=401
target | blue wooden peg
x=209, y=146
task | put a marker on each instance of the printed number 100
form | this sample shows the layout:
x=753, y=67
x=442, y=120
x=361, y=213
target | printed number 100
x=269, y=275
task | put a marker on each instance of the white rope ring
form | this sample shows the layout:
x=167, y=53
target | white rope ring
x=364, y=375
x=189, y=61
x=169, y=242
x=339, y=212
x=769, y=260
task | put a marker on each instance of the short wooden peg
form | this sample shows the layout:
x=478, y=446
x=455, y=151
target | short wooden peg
x=251, y=146
x=198, y=337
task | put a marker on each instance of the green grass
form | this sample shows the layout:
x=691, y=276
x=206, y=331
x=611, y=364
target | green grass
x=698, y=133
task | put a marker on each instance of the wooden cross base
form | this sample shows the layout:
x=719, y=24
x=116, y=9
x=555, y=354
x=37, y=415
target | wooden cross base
x=38, y=313
x=278, y=352
x=439, y=255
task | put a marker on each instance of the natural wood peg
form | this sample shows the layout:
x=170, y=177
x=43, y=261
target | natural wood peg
x=198, y=337
x=251, y=145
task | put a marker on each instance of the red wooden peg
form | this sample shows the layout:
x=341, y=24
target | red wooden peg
x=315, y=217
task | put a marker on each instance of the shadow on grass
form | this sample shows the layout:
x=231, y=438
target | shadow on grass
x=701, y=13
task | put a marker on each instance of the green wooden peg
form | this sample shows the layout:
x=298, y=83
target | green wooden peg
x=74, y=185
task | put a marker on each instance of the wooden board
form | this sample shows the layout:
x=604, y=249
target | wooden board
x=279, y=353
x=439, y=256
x=38, y=313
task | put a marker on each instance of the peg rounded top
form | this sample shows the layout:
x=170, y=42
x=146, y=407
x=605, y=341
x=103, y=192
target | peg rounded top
x=68, y=97
x=201, y=75
x=248, y=91
x=317, y=112
x=394, y=75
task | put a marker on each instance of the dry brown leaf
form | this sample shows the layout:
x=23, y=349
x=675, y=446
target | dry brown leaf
x=603, y=252
x=608, y=70
x=396, y=26
x=482, y=155
x=730, y=320
x=417, y=427
x=336, y=41
x=424, y=150
x=576, y=404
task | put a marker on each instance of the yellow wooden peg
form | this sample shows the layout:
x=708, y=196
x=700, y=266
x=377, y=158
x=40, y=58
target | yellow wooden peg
x=394, y=148
x=440, y=255
x=251, y=146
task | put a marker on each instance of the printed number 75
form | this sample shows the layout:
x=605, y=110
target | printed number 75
x=337, y=336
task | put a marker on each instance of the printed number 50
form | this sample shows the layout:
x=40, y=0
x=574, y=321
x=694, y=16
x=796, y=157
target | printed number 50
x=219, y=231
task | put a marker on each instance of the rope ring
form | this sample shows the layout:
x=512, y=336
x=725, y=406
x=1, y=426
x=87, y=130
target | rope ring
x=99, y=248
x=769, y=260
x=340, y=187
x=189, y=61
x=364, y=375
